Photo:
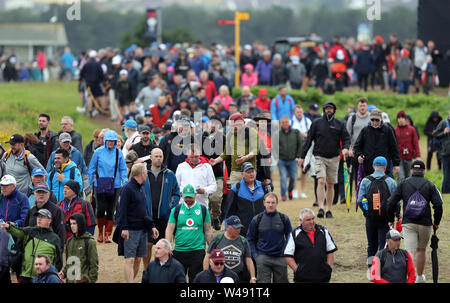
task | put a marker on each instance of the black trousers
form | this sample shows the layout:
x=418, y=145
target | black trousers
x=192, y=261
x=107, y=204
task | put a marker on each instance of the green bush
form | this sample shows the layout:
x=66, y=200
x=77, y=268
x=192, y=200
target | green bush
x=418, y=107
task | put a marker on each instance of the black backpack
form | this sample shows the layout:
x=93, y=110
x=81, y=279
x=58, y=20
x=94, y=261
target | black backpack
x=377, y=197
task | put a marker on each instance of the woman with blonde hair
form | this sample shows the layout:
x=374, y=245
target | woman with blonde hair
x=224, y=97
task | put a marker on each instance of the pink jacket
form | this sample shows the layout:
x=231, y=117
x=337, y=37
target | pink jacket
x=249, y=81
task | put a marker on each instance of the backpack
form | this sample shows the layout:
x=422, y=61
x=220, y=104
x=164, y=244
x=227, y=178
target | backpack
x=377, y=197
x=52, y=174
x=86, y=243
x=221, y=236
x=17, y=253
x=290, y=103
x=259, y=218
x=83, y=208
x=25, y=159
x=177, y=212
x=416, y=204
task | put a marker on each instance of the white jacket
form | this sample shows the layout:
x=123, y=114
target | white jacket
x=199, y=176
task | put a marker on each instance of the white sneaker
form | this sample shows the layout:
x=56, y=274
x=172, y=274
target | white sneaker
x=303, y=196
x=95, y=113
x=420, y=279
x=81, y=110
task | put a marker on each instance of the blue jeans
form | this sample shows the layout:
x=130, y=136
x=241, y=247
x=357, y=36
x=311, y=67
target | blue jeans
x=288, y=168
x=446, y=172
x=403, y=86
x=376, y=236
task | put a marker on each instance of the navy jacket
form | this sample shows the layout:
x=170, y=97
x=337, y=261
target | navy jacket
x=133, y=206
x=207, y=276
x=269, y=237
x=49, y=276
x=171, y=272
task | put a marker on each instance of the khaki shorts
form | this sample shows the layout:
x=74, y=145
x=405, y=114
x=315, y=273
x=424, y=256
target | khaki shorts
x=327, y=168
x=416, y=236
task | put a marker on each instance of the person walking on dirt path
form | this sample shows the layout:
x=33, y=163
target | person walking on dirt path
x=327, y=133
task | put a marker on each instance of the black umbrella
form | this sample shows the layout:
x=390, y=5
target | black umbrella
x=434, y=257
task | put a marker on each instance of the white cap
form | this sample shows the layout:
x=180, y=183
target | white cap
x=162, y=47
x=385, y=117
x=92, y=54
x=248, y=47
x=295, y=60
x=116, y=60
x=123, y=72
x=7, y=180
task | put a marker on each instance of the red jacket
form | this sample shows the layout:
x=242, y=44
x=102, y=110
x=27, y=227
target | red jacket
x=375, y=271
x=210, y=91
x=159, y=119
x=407, y=139
x=263, y=104
x=75, y=207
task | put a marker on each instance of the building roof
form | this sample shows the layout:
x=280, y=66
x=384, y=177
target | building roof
x=42, y=34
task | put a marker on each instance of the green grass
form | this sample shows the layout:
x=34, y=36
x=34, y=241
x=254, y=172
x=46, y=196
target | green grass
x=21, y=104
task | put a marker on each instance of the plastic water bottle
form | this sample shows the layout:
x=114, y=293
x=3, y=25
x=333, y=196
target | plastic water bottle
x=365, y=204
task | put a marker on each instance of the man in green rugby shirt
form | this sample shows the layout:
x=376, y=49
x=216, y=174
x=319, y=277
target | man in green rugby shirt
x=191, y=224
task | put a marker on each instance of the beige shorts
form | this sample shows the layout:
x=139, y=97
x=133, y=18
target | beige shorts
x=416, y=236
x=327, y=168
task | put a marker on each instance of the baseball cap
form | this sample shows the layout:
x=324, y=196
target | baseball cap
x=418, y=165
x=371, y=107
x=217, y=255
x=123, y=72
x=189, y=191
x=144, y=129
x=65, y=137
x=148, y=114
x=41, y=187
x=116, y=60
x=8, y=180
x=16, y=138
x=235, y=222
x=92, y=54
x=44, y=212
x=205, y=119
x=394, y=235
x=314, y=106
x=380, y=161
x=385, y=117
x=246, y=166
x=236, y=117
x=376, y=113
x=248, y=47
x=38, y=171
x=131, y=124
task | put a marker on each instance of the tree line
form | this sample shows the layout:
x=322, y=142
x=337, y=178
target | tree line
x=98, y=29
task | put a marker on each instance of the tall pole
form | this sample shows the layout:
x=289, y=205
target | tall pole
x=237, y=42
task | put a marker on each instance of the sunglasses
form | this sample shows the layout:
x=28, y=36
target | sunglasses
x=219, y=263
x=376, y=120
